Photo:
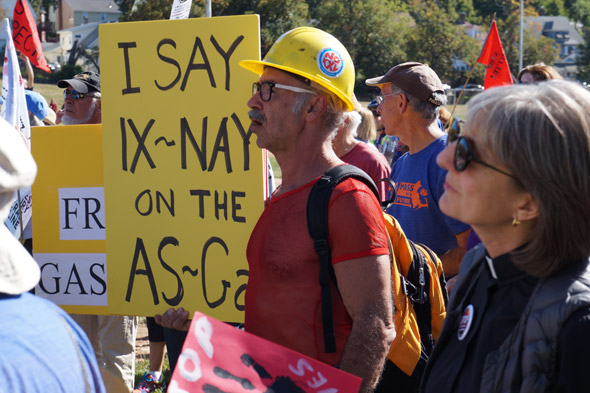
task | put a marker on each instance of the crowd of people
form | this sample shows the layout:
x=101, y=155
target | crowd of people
x=501, y=201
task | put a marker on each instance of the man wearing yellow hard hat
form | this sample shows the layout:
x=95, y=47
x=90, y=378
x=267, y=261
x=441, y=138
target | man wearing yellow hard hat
x=302, y=96
x=304, y=91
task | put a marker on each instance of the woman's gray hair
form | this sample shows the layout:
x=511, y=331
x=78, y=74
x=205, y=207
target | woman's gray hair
x=541, y=133
x=427, y=110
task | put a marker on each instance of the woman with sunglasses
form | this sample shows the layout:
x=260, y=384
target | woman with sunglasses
x=519, y=317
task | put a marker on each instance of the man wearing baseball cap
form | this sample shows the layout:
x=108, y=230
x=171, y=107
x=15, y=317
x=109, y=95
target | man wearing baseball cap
x=412, y=95
x=43, y=350
x=410, y=101
x=112, y=336
x=82, y=103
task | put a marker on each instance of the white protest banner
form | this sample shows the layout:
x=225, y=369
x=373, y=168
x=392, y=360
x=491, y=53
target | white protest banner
x=14, y=106
x=14, y=111
x=180, y=9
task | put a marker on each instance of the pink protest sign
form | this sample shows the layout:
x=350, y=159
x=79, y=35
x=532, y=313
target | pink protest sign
x=218, y=358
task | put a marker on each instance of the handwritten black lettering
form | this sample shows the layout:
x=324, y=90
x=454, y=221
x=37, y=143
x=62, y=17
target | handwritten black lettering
x=227, y=55
x=125, y=46
x=201, y=151
x=201, y=194
x=169, y=60
x=198, y=66
x=174, y=301
x=225, y=284
x=140, y=250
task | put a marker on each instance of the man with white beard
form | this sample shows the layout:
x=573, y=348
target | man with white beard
x=112, y=336
x=81, y=99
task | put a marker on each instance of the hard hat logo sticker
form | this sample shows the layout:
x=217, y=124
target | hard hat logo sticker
x=330, y=62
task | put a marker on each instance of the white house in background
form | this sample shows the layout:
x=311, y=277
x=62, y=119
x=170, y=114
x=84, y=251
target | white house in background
x=563, y=31
x=473, y=31
x=77, y=22
x=84, y=35
x=72, y=13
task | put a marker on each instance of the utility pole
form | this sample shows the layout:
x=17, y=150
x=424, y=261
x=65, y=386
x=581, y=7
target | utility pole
x=521, y=31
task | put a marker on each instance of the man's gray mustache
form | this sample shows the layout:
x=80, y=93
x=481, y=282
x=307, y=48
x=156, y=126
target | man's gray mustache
x=256, y=115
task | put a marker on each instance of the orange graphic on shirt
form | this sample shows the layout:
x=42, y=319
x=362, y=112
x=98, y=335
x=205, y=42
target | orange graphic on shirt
x=411, y=195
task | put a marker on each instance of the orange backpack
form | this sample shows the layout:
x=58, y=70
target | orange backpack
x=419, y=286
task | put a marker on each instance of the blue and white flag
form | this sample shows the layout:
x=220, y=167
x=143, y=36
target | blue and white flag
x=14, y=111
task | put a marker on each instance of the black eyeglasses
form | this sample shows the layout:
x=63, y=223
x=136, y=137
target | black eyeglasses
x=265, y=89
x=464, y=155
x=74, y=94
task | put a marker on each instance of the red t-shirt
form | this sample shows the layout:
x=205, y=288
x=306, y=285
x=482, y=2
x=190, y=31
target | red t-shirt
x=371, y=161
x=283, y=301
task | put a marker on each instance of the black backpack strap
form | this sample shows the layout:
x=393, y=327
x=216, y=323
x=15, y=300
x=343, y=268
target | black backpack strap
x=390, y=187
x=317, y=225
x=419, y=273
x=441, y=277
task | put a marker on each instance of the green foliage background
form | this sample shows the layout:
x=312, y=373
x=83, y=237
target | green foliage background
x=382, y=33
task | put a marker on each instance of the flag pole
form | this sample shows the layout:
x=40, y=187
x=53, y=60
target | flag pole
x=452, y=119
x=20, y=215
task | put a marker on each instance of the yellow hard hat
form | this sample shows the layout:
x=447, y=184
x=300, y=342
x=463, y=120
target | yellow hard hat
x=312, y=54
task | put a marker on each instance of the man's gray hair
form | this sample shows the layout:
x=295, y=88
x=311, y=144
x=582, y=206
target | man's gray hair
x=354, y=120
x=336, y=112
x=426, y=110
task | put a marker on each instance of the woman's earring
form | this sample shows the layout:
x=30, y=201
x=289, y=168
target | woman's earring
x=515, y=222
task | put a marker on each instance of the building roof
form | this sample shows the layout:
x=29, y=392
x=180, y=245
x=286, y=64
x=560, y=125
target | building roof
x=75, y=29
x=49, y=46
x=106, y=6
x=549, y=24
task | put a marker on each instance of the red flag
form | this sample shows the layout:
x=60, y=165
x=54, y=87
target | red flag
x=25, y=36
x=493, y=56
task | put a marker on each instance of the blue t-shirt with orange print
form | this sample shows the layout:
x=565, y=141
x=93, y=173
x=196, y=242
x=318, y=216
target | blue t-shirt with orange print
x=419, y=185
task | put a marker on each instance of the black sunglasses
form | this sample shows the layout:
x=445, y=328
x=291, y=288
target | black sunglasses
x=464, y=155
x=75, y=95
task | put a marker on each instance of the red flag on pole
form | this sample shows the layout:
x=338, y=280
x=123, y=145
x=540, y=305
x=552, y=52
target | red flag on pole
x=493, y=56
x=25, y=36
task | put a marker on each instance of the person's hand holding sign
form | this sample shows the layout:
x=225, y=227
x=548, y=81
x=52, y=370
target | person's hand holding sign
x=174, y=319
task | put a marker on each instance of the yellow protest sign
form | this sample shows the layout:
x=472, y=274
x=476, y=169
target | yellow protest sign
x=68, y=214
x=183, y=180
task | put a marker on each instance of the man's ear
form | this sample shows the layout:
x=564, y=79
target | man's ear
x=316, y=106
x=403, y=103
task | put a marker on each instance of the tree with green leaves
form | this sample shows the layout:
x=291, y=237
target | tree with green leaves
x=38, y=5
x=551, y=7
x=584, y=61
x=373, y=32
x=276, y=16
x=436, y=40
